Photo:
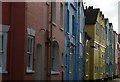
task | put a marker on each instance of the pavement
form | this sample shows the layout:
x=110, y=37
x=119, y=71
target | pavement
x=115, y=80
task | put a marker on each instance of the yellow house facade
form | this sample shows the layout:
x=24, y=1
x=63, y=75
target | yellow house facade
x=95, y=27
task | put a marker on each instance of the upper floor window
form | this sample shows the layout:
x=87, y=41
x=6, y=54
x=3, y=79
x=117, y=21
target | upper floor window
x=54, y=12
x=68, y=21
x=30, y=49
x=97, y=29
x=61, y=14
x=73, y=27
x=3, y=47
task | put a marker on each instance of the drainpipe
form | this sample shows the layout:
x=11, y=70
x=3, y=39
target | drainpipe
x=49, y=44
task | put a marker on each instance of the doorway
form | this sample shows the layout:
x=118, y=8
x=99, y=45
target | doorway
x=38, y=62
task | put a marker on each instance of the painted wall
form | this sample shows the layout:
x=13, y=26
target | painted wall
x=74, y=25
x=16, y=40
x=21, y=16
x=58, y=36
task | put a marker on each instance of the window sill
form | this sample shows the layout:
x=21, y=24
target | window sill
x=54, y=24
x=86, y=75
x=30, y=71
x=73, y=36
x=87, y=53
x=80, y=42
x=62, y=29
x=48, y=3
x=55, y=72
x=67, y=33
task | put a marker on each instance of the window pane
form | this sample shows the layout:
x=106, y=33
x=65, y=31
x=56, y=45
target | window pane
x=32, y=45
x=54, y=12
x=61, y=15
x=28, y=44
x=28, y=60
x=68, y=17
x=0, y=59
x=55, y=58
x=73, y=28
x=1, y=42
x=30, y=52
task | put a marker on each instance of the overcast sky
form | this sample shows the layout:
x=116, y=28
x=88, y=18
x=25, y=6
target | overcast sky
x=108, y=7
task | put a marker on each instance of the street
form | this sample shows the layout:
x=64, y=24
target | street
x=115, y=80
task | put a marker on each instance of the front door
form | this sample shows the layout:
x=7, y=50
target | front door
x=38, y=61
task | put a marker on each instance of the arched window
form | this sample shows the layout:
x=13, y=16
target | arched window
x=55, y=57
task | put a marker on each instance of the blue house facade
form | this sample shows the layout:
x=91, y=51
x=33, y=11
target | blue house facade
x=111, y=52
x=74, y=41
x=80, y=37
x=107, y=47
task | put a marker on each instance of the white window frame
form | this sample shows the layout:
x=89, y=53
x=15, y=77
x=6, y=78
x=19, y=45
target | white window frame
x=80, y=37
x=31, y=36
x=4, y=32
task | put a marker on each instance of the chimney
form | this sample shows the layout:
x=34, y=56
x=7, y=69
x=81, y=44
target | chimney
x=86, y=7
x=90, y=7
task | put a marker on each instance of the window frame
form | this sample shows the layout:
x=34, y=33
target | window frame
x=31, y=37
x=54, y=69
x=54, y=13
x=4, y=32
x=80, y=37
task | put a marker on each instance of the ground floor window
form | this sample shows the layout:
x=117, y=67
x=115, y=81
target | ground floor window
x=3, y=47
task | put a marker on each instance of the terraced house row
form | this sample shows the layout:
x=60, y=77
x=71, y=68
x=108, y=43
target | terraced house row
x=57, y=41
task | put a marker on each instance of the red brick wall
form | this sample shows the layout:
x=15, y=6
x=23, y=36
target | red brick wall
x=58, y=36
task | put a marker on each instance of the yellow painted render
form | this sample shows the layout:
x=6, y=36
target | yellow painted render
x=91, y=67
x=97, y=61
x=102, y=49
x=90, y=29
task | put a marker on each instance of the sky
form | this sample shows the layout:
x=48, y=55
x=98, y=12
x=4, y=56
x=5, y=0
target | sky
x=108, y=7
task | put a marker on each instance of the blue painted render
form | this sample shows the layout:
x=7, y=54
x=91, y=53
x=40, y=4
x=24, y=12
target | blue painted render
x=74, y=25
x=111, y=52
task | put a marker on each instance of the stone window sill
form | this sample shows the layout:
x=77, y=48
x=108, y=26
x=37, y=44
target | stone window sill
x=55, y=72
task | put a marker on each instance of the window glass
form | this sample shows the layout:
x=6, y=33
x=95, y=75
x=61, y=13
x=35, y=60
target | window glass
x=0, y=59
x=30, y=52
x=55, y=57
x=54, y=12
x=3, y=47
x=73, y=28
x=1, y=42
x=68, y=22
x=61, y=14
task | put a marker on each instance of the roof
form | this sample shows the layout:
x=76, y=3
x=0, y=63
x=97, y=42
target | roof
x=91, y=15
x=110, y=24
x=106, y=19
